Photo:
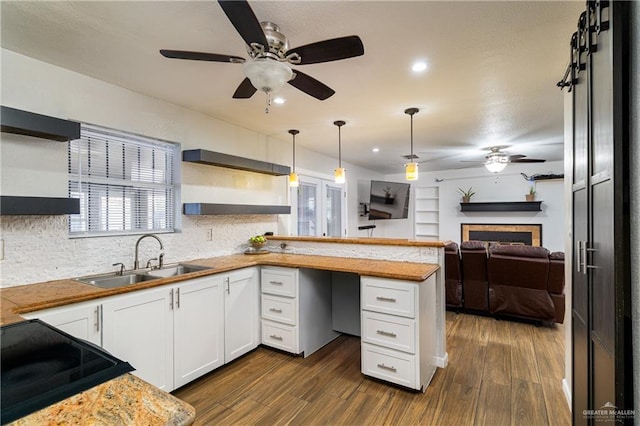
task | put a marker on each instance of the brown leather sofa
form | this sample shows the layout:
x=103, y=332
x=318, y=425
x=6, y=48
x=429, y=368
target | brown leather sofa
x=452, y=275
x=474, y=275
x=518, y=282
x=555, y=284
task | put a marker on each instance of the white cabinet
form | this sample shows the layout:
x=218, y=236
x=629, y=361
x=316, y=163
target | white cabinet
x=296, y=309
x=241, y=313
x=427, y=213
x=198, y=321
x=138, y=328
x=398, y=330
x=81, y=320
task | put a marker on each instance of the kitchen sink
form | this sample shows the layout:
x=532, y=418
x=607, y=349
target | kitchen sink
x=115, y=280
x=173, y=270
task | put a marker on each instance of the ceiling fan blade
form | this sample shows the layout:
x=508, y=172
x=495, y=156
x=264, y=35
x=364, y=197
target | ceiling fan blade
x=201, y=56
x=528, y=160
x=244, y=21
x=329, y=50
x=311, y=86
x=245, y=90
x=516, y=157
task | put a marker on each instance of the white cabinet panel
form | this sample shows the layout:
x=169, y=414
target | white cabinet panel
x=280, y=309
x=241, y=313
x=280, y=336
x=390, y=331
x=392, y=366
x=138, y=328
x=198, y=328
x=389, y=296
x=280, y=281
x=81, y=320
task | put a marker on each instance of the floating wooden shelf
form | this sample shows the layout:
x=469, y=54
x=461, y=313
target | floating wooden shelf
x=202, y=156
x=15, y=205
x=232, y=209
x=41, y=126
x=502, y=206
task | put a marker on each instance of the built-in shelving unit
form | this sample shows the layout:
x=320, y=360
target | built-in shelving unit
x=232, y=209
x=502, y=206
x=16, y=205
x=211, y=158
x=427, y=213
x=40, y=126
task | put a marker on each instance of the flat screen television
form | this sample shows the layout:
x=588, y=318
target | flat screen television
x=388, y=200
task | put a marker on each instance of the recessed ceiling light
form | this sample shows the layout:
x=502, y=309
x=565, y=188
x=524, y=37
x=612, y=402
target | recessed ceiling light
x=279, y=100
x=419, y=66
x=375, y=149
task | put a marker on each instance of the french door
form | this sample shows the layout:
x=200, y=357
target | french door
x=319, y=205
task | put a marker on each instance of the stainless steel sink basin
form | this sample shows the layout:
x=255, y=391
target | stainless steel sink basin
x=173, y=270
x=114, y=280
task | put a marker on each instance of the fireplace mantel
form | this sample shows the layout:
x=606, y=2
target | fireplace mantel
x=502, y=206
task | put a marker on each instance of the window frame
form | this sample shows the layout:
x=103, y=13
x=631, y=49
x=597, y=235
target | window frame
x=77, y=180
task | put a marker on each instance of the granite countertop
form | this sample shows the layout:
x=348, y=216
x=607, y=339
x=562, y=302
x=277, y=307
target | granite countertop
x=125, y=400
x=34, y=297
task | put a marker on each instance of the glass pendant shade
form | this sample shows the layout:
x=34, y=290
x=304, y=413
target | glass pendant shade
x=293, y=180
x=267, y=75
x=411, y=171
x=340, y=175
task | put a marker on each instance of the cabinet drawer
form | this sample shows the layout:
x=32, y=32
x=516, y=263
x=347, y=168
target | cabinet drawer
x=387, y=364
x=280, y=281
x=389, y=331
x=388, y=296
x=280, y=336
x=281, y=309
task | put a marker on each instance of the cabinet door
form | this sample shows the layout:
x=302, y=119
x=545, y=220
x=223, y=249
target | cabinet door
x=138, y=328
x=198, y=328
x=241, y=313
x=80, y=320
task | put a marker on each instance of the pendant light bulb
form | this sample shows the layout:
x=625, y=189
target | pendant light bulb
x=293, y=176
x=339, y=174
x=411, y=168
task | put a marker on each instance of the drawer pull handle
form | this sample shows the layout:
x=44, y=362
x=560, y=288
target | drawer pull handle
x=386, y=333
x=279, y=311
x=385, y=367
x=386, y=299
x=274, y=337
x=276, y=282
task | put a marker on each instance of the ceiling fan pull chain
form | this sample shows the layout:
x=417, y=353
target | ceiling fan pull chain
x=266, y=108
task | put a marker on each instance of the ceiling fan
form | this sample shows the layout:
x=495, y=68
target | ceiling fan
x=267, y=69
x=496, y=160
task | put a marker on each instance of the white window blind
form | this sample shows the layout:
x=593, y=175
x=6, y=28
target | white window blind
x=127, y=184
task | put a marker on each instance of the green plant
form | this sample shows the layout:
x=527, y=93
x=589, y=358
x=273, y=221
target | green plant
x=258, y=239
x=468, y=193
x=532, y=190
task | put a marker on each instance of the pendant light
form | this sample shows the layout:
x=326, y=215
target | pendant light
x=293, y=176
x=411, y=168
x=339, y=173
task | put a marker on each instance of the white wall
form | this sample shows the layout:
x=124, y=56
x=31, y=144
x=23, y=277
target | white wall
x=508, y=185
x=37, y=248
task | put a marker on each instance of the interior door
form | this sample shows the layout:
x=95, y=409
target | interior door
x=320, y=207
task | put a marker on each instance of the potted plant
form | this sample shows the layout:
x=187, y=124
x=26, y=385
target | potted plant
x=466, y=195
x=531, y=196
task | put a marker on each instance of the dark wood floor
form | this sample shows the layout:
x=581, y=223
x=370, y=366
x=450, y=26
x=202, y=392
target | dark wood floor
x=499, y=373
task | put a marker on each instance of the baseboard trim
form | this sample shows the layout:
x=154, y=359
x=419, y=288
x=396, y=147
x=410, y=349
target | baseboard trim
x=566, y=388
x=442, y=361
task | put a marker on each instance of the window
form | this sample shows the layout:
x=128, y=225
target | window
x=127, y=184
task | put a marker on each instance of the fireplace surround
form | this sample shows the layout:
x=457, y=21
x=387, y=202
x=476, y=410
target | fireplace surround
x=504, y=233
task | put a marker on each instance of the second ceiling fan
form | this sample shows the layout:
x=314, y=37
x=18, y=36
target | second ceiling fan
x=267, y=69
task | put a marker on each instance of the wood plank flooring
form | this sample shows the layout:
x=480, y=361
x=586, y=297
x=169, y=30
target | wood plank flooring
x=500, y=373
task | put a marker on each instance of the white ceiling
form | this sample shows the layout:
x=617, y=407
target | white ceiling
x=491, y=78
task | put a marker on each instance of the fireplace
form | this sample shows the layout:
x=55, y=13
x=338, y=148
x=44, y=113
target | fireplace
x=506, y=233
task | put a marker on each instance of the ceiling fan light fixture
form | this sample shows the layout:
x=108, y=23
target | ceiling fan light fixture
x=496, y=164
x=267, y=75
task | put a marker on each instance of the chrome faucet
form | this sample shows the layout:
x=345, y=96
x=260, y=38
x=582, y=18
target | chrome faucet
x=136, y=262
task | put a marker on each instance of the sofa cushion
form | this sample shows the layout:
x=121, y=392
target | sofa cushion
x=473, y=245
x=520, y=251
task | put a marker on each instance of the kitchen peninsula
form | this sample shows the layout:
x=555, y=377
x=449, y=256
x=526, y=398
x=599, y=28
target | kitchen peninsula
x=421, y=271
